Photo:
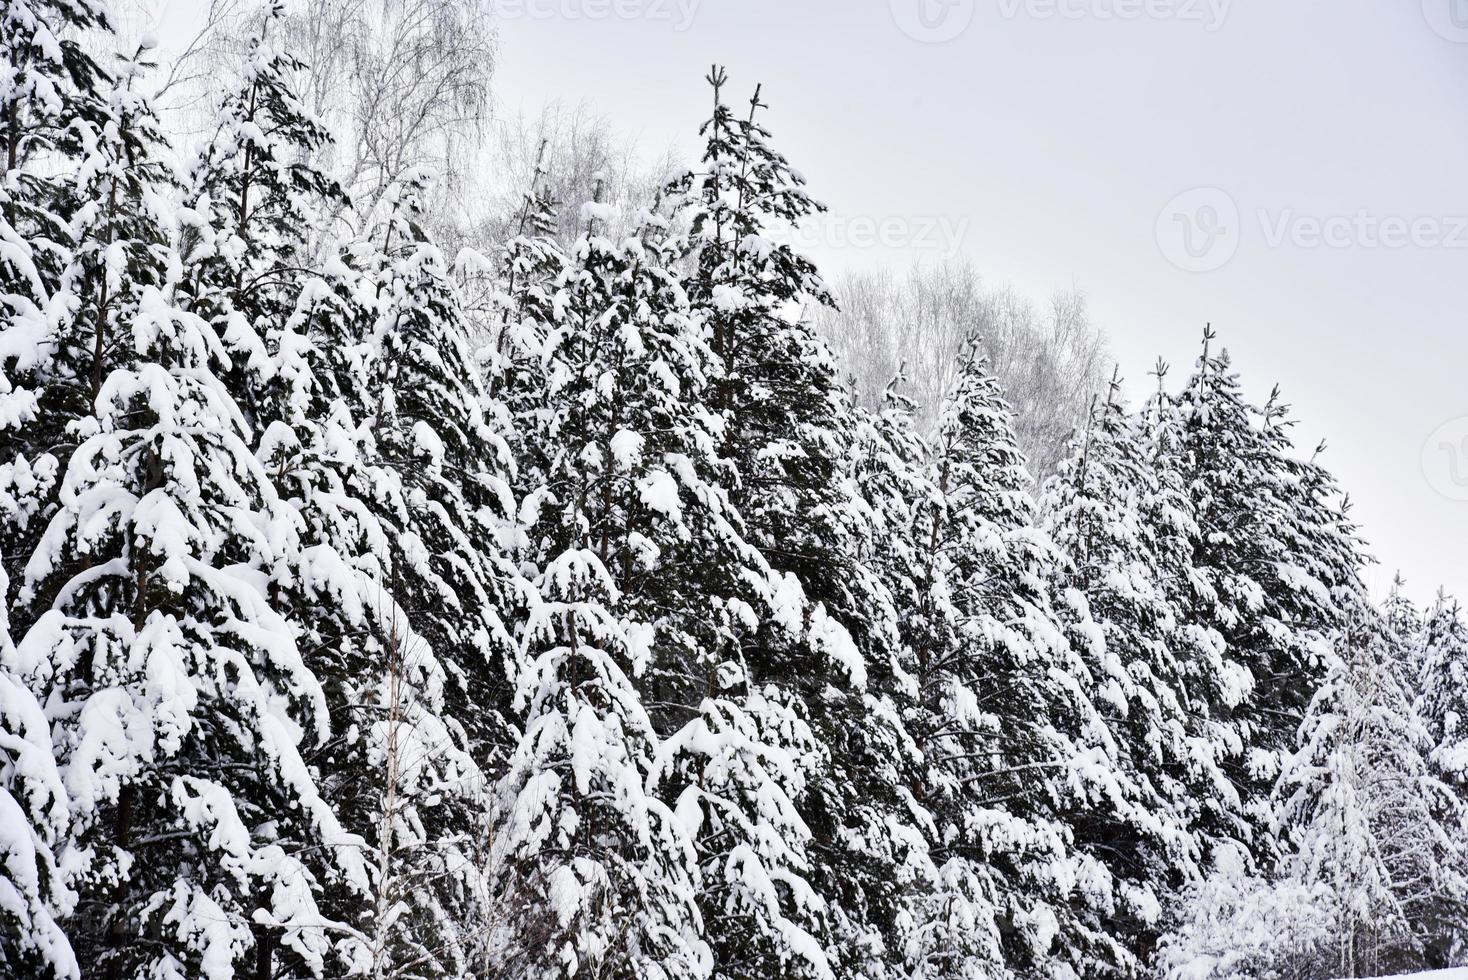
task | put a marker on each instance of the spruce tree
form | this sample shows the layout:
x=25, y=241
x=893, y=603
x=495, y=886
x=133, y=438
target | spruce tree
x=454, y=459
x=1404, y=620
x=252, y=201
x=1437, y=659
x=950, y=900
x=445, y=517
x=1365, y=818
x=1212, y=683
x=1441, y=652
x=1117, y=519
x=1274, y=560
x=182, y=698
x=296, y=358
x=372, y=426
x=34, y=811
x=1019, y=751
x=53, y=102
x=597, y=873
x=397, y=766
x=785, y=426
x=738, y=755
x=516, y=315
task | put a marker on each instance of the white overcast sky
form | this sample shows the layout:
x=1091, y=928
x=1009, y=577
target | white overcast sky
x=1314, y=153
x=1055, y=134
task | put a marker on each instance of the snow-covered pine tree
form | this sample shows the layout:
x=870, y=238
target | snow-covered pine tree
x=1274, y=558
x=950, y=923
x=596, y=873
x=1441, y=652
x=1212, y=683
x=53, y=98
x=784, y=425
x=456, y=466
x=515, y=313
x=178, y=694
x=737, y=755
x=298, y=361
x=1437, y=660
x=252, y=202
x=1118, y=521
x=1018, y=752
x=1366, y=824
x=1317, y=878
x=396, y=768
x=34, y=812
x=1404, y=620
x=359, y=379
x=445, y=517
x=51, y=84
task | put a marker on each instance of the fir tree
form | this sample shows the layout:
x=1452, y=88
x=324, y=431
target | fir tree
x=1437, y=658
x=1212, y=684
x=738, y=755
x=597, y=870
x=950, y=904
x=1274, y=559
x=1404, y=620
x=397, y=767
x=34, y=810
x=299, y=354
x=357, y=379
x=520, y=309
x=785, y=426
x=1019, y=751
x=445, y=519
x=181, y=696
x=53, y=100
x=1366, y=819
x=132, y=619
x=456, y=468
x=251, y=200
x=1441, y=652
x=1115, y=517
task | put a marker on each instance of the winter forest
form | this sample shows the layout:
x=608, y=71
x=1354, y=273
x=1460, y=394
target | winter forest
x=391, y=595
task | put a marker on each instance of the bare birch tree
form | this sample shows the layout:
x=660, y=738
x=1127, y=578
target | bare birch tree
x=1049, y=362
x=404, y=85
